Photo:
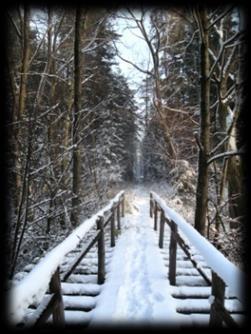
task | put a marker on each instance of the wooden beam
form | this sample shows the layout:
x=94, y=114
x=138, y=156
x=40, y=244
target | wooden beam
x=155, y=216
x=218, y=292
x=123, y=206
x=161, y=231
x=113, y=226
x=58, y=309
x=172, y=254
x=151, y=204
x=118, y=216
x=101, y=251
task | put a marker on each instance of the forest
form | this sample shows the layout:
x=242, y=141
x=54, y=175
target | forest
x=86, y=119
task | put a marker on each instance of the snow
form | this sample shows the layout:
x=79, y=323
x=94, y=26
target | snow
x=198, y=292
x=190, y=280
x=136, y=288
x=211, y=299
x=78, y=278
x=75, y=317
x=32, y=288
x=231, y=275
x=80, y=302
x=80, y=289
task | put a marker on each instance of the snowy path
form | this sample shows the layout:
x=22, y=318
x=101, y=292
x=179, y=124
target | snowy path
x=136, y=288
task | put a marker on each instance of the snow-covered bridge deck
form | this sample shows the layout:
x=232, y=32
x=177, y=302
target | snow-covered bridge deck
x=149, y=279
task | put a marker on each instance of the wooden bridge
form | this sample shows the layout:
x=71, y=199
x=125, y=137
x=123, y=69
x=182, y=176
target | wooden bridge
x=64, y=287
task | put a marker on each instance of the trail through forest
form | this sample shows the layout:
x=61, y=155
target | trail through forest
x=136, y=288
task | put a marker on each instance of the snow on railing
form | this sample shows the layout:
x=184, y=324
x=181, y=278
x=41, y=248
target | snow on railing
x=33, y=287
x=229, y=273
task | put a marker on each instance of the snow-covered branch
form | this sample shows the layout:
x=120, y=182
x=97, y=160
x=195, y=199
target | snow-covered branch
x=225, y=155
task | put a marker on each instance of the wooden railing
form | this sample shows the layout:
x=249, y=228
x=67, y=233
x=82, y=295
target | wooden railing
x=218, y=312
x=52, y=304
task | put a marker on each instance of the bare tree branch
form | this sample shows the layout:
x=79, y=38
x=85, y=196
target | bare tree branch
x=229, y=9
x=225, y=154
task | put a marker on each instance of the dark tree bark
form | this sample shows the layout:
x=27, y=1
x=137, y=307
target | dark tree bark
x=22, y=96
x=76, y=170
x=202, y=182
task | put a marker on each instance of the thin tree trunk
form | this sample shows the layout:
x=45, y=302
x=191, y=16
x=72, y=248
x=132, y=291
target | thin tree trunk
x=235, y=171
x=25, y=63
x=76, y=110
x=22, y=93
x=202, y=182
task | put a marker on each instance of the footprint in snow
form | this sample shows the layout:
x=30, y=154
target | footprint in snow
x=135, y=207
x=158, y=297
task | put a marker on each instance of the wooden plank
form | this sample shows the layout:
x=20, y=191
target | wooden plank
x=218, y=291
x=161, y=231
x=155, y=217
x=118, y=216
x=123, y=205
x=58, y=309
x=172, y=254
x=151, y=205
x=42, y=314
x=101, y=251
x=218, y=312
x=227, y=317
x=113, y=227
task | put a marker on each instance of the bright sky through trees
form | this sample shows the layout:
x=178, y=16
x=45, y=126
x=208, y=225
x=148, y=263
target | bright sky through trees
x=132, y=47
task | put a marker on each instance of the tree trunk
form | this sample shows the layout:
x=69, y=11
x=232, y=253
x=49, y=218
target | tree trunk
x=76, y=110
x=22, y=93
x=235, y=171
x=25, y=63
x=236, y=192
x=202, y=182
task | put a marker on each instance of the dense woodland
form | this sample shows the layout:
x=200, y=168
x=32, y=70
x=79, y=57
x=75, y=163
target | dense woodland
x=75, y=128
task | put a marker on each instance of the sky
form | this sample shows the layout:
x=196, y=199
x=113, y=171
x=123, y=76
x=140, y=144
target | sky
x=132, y=48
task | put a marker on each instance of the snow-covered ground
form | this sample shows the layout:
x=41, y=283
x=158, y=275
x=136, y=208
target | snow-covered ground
x=136, y=288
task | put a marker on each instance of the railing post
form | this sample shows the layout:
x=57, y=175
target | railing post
x=101, y=251
x=151, y=203
x=123, y=206
x=58, y=310
x=172, y=254
x=218, y=291
x=118, y=216
x=113, y=227
x=161, y=230
x=155, y=216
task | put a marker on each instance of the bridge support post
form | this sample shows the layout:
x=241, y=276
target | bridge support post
x=58, y=309
x=113, y=227
x=155, y=217
x=151, y=205
x=118, y=216
x=161, y=230
x=218, y=292
x=172, y=254
x=101, y=251
x=123, y=206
